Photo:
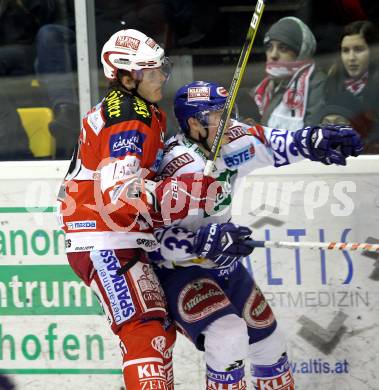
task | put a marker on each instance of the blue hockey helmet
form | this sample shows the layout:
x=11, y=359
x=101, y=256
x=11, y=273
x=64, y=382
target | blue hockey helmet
x=196, y=100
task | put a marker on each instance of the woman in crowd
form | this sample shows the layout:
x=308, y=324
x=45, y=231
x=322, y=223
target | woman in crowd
x=355, y=71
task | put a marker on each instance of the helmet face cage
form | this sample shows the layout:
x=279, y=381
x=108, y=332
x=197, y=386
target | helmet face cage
x=197, y=100
x=203, y=116
x=166, y=68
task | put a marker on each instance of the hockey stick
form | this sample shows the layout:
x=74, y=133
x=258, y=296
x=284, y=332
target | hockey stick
x=345, y=246
x=233, y=90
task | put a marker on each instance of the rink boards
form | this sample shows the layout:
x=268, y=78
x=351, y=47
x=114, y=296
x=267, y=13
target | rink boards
x=52, y=332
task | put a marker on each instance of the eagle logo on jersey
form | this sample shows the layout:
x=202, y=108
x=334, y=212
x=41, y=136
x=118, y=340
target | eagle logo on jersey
x=159, y=344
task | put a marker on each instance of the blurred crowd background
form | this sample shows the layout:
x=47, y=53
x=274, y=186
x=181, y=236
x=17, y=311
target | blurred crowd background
x=313, y=61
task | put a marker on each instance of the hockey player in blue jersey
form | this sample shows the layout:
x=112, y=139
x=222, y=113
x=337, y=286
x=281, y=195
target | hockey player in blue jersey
x=217, y=304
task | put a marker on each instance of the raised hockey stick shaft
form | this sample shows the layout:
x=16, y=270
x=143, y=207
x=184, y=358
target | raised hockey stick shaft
x=346, y=246
x=233, y=90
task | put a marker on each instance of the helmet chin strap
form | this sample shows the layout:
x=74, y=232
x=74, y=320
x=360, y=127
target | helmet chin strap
x=137, y=77
x=202, y=140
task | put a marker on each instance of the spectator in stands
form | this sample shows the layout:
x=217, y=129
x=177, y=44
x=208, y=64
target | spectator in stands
x=19, y=23
x=356, y=71
x=14, y=143
x=169, y=22
x=343, y=109
x=56, y=70
x=293, y=90
x=326, y=18
x=190, y=22
x=150, y=16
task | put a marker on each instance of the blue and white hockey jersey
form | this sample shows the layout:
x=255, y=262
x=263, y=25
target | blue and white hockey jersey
x=249, y=148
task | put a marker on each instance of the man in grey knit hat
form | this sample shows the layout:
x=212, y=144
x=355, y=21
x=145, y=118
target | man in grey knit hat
x=292, y=90
x=295, y=34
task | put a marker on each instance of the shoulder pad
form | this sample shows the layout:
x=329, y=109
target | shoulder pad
x=120, y=107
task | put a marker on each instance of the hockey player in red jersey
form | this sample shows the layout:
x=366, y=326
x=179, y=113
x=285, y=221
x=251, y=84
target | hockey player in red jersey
x=109, y=205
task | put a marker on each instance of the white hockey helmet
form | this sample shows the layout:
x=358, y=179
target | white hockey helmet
x=130, y=50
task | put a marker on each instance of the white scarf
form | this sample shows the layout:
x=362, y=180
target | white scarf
x=290, y=112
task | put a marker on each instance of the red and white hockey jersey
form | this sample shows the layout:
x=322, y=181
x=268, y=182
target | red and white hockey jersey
x=121, y=139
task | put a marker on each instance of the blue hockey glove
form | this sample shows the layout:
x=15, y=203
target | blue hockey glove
x=329, y=144
x=224, y=243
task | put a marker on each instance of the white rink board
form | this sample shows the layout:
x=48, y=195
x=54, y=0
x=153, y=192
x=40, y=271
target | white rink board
x=327, y=302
